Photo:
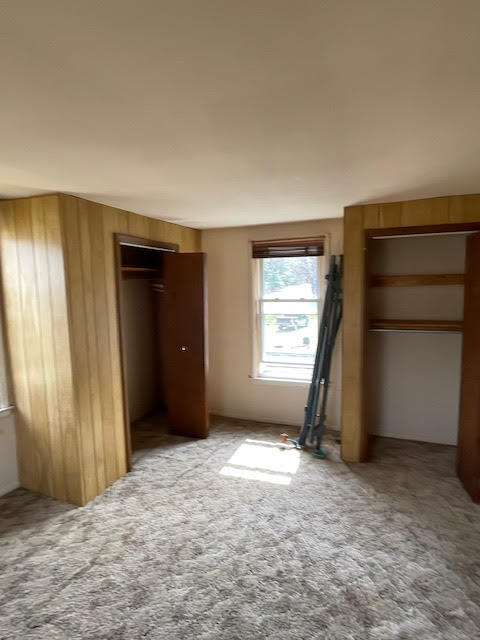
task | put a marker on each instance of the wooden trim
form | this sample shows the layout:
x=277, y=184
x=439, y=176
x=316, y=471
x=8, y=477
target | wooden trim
x=468, y=446
x=446, y=214
x=447, y=227
x=417, y=280
x=416, y=325
x=129, y=273
x=354, y=437
x=123, y=238
x=122, y=273
x=123, y=362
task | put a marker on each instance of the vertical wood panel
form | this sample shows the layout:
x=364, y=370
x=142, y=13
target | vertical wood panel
x=371, y=216
x=390, y=215
x=38, y=346
x=67, y=437
x=468, y=450
x=33, y=344
x=92, y=351
x=464, y=208
x=424, y=212
x=93, y=346
x=100, y=308
x=353, y=435
x=92, y=290
x=138, y=225
x=61, y=321
x=47, y=351
x=115, y=221
x=82, y=371
x=14, y=326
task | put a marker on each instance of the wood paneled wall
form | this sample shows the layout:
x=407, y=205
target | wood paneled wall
x=33, y=275
x=59, y=283
x=413, y=215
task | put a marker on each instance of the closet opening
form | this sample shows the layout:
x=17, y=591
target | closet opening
x=422, y=347
x=162, y=341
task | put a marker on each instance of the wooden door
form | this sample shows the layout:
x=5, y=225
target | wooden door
x=185, y=343
x=468, y=451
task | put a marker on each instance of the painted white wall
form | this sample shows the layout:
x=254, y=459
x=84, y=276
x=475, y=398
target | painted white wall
x=414, y=378
x=8, y=454
x=140, y=346
x=232, y=392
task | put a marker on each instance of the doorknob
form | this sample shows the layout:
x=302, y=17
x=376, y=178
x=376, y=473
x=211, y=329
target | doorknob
x=183, y=348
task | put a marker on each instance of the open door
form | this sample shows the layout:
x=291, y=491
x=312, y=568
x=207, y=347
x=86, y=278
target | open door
x=185, y=344
x=468, y=452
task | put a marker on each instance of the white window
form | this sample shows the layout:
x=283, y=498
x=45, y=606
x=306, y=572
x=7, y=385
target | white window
x=289, y=277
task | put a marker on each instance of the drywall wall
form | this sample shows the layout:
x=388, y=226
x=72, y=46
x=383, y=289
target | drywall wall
x=8, y=455
x=414, y=385
x=414, y=378
x=140, y=346
x=232, y=392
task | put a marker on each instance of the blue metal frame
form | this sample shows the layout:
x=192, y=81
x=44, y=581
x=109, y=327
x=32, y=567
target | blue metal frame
x=315, y=410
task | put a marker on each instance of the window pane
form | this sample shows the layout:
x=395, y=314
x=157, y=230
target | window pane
x=289, y=336
x=285, y=371
x=290, y=277
x=289, y=308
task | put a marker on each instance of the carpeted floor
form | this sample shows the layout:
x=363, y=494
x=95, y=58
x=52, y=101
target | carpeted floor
x=228, y=538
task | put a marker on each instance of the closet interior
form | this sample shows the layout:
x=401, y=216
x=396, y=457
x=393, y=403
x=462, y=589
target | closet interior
x=142, y=318
x=414, y=338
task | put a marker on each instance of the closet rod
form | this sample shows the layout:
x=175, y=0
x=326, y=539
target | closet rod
x=142, y=246
x=416, y=325
x=414, y=331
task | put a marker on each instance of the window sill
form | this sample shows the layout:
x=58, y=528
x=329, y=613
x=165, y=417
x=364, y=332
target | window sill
x=284, y=382
x=6, y=411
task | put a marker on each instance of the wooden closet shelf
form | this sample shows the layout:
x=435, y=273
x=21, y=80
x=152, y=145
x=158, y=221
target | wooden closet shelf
x=139, y=272
x=416, y=325
x=417, y=280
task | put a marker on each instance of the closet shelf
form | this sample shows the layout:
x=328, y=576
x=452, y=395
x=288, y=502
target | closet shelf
x=139, y=272
x=417, y=280
x=450, y=326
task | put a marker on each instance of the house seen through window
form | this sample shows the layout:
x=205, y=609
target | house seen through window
x=289, y=292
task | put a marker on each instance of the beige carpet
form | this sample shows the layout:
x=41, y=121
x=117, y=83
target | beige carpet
x=232, y=538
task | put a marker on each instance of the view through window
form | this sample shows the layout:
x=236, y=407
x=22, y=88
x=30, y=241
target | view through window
x=290, y=292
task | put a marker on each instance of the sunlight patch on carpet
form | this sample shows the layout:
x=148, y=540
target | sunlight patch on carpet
x=250, y=474
x=263, y=461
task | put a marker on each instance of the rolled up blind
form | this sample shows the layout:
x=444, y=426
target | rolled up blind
x=291, y=248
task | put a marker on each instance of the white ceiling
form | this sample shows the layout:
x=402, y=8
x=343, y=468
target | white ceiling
x=232, y=112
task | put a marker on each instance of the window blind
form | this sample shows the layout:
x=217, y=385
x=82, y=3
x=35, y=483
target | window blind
x=291, y=248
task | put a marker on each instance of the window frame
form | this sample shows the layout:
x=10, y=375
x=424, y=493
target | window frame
x=256, y=301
